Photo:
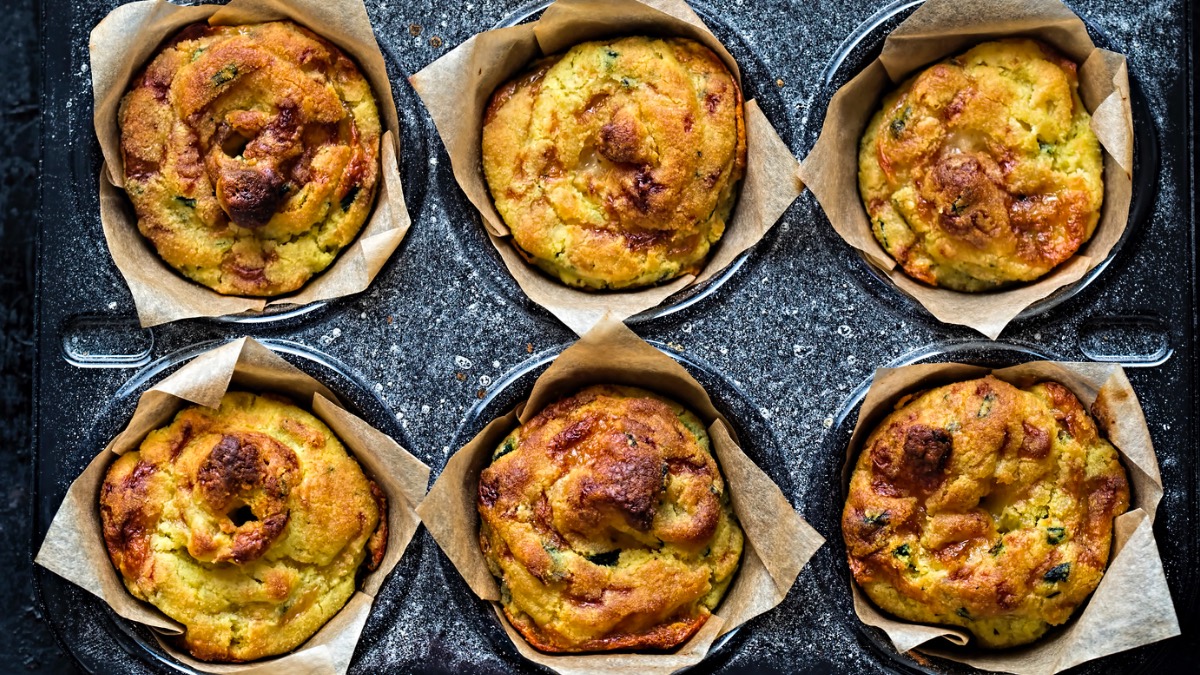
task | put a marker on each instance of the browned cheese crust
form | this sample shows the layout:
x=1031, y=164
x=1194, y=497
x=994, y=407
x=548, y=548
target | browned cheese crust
x=247, y=524
x=983, y=171
x=607, y=522
x=615, y=165
x=251, y=155
x=984, y=506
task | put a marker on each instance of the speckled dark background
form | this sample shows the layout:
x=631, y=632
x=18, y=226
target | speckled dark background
x=26, y=644
x=785, y=342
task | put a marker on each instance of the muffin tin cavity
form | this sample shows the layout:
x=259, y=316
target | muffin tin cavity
x=91, y=617
x=859, y=50
x=753, y=431
x=757, y=83
x=828, y=488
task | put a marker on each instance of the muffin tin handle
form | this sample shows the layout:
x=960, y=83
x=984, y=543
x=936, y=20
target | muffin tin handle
x=104, y=341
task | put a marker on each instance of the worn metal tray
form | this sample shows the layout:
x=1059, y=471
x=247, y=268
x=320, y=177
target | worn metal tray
x=787, y=340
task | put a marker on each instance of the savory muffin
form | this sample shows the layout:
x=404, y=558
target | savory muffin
x=615, y=165
x=984, y=506
x=247, y=524
x=607, y=523
x=982, y=171
x=251, y=155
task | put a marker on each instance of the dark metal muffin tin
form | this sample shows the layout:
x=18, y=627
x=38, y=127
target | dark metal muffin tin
x=786, y=342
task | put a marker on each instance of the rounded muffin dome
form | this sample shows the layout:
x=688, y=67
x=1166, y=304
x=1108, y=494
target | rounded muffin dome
x=982, y=171
x=606, y=521
x=984, y=506
x=615, y=165
x=247, y=524
x=251, y=155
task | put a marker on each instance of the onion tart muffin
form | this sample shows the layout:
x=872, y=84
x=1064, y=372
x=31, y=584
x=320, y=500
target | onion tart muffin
x=982, y=171
x=986, y=507
x=607, y=522
x=247, y=524
x=251, y=155
x=616, y=164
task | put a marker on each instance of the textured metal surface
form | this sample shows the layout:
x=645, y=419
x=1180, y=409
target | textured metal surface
x=26, y=644
x=787, y=341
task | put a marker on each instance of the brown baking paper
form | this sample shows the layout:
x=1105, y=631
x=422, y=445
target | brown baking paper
x=938, y=29
x=1132, y=605
x=778, y=541
x=124, y=42
x=456, y=89
x=74, y=546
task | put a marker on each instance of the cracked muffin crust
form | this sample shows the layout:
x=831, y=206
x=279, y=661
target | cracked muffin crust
x=606, y=521
x=247, y=524
x=616, y=164
x=251, y=155
x=983, y=506
x=982, y=171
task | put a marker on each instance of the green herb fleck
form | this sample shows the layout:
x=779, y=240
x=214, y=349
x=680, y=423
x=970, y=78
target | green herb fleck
x=901, y=551
x=1047, y=148
x=508, y=446
x=1058, y=573
x=953, y=427
x=878, y=519
x=225, y=74
x=985, y=408
x=1064, y=437
x=348, y=200
x=882, y=233
x=1055, y=535
x=631, y=440
x=962, y=611
x=899, y=123
x=186, y=201
x=998, y=548
x=607, y=559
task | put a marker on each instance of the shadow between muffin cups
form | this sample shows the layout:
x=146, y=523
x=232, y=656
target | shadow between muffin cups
x=125, y=40
x=74, y=546
x=1131, y=606
x=938, y=29
x=778, y=541
x=457, y=87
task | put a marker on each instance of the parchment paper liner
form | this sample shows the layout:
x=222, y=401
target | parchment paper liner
x=123, y=43
x=938, y=29
x=456, y=88
x=74, y=545
x=778, y=541
x=1132, y=605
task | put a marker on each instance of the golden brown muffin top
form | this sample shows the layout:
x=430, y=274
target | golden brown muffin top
x=982, y=170
x=251, y=154
x=984, y=506
x=615, y=165
x=247, y=524
x=607, y=522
